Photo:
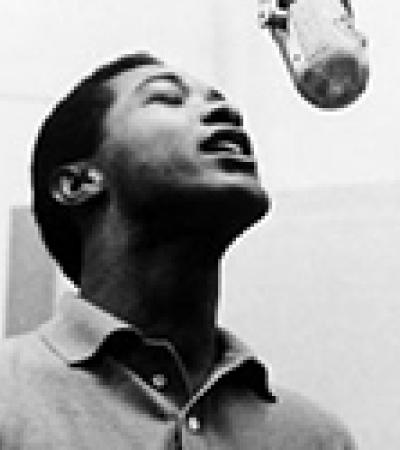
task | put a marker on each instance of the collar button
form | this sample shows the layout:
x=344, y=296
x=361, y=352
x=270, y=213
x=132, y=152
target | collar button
x=159, y=381
x=193, y=424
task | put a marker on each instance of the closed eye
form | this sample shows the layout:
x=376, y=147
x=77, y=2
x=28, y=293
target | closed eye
x=163, y=88
x=167, y=98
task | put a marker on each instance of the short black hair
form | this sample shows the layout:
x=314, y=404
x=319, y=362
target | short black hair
x=72, y=132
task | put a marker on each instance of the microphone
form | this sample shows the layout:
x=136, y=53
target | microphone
x=324, y=53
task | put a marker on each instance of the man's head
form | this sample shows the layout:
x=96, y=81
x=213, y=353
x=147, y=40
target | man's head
x=158, y=143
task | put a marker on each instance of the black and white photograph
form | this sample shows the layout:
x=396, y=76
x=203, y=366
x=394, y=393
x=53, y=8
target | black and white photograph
x=200, y=225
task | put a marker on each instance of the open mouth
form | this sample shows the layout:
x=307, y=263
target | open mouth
x=227, y=142
x=231, y=149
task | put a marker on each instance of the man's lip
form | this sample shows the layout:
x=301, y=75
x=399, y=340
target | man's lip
x=239, y=157
x=234, y=162
x=228, y=141
x=237, y=164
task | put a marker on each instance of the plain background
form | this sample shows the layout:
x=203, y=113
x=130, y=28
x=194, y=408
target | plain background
x=315, y=287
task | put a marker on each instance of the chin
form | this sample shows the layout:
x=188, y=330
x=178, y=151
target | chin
x=242, y=191
x=236, y=205
x=249, y=206
x=220, y=206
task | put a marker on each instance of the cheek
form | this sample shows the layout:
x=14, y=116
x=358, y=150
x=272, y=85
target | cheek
x=153, y=150
x=140, y=178
x=149, y=159
x=161, y=142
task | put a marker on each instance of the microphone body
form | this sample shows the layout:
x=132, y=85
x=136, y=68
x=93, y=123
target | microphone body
x=324, y=53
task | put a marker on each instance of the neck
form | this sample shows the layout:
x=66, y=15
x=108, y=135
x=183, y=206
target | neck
x=165, y=285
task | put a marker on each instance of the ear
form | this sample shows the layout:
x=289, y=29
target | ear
x=76, y=183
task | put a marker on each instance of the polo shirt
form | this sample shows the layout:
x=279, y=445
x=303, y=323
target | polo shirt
x=86, y=380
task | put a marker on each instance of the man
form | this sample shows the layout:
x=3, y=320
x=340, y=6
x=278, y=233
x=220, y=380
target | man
x=142, y=178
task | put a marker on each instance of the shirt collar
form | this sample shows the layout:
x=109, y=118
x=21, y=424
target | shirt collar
x=238, y=360
x=79, y=329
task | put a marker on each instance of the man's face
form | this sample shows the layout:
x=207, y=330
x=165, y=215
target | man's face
x=170, y=139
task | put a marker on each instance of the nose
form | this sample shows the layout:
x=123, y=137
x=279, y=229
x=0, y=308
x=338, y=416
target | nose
x=213, y=95
x=218, y=111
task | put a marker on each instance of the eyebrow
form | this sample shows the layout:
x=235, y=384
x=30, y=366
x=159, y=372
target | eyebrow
x=164, y=76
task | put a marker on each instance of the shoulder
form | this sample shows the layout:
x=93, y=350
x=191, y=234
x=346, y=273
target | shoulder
x=23, y=361
x=23, y=350
x=304, y=421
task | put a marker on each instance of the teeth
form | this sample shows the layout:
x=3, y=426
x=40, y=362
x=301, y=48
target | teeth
x=229, y=146
x=233, y=142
